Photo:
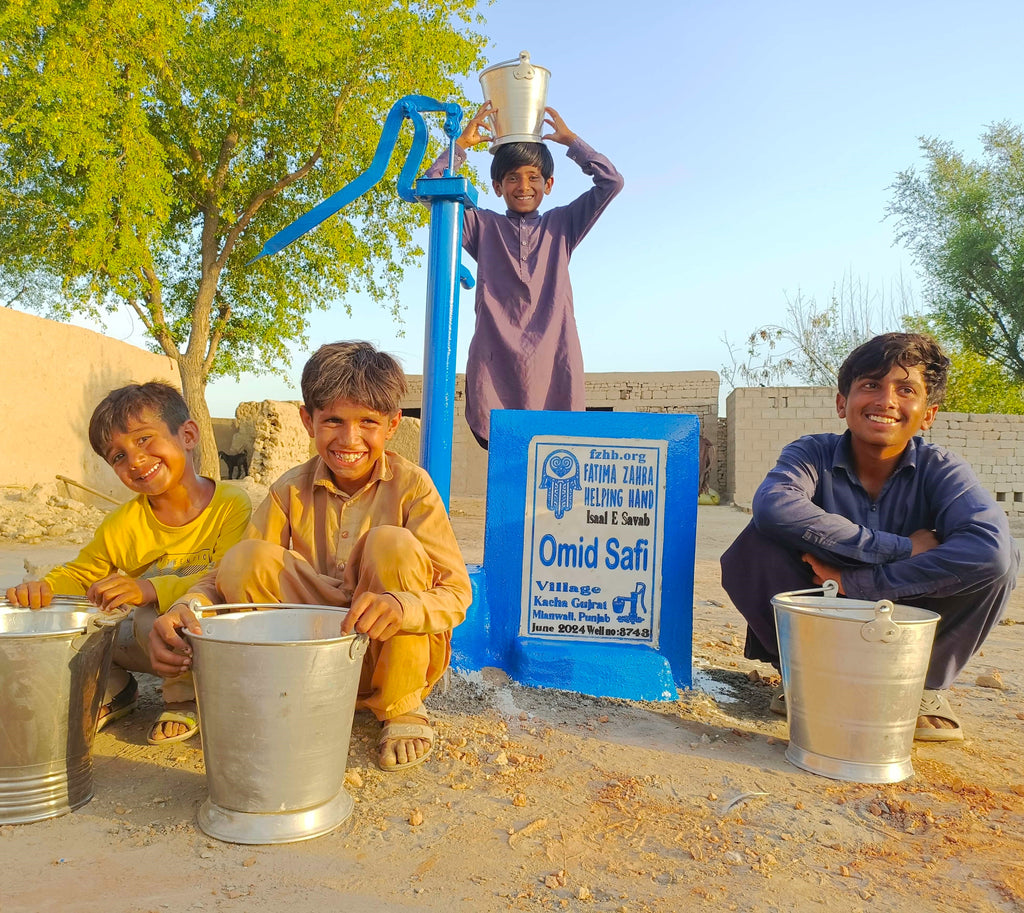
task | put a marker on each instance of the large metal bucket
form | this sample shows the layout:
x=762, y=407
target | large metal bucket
x=518, y=90
x=853, y=672
x=276, y=692
x=53, y=671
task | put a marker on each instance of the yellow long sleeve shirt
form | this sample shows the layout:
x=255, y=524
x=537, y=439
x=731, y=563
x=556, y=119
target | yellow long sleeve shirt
x=133, y=541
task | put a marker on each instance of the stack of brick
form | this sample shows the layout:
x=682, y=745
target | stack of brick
x=994, y=446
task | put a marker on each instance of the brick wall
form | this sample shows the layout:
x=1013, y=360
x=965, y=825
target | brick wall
x=693, y=392
x=54, y=375
x=761, y=420
x=469, y=459
x=994, y=446
x=758, y=423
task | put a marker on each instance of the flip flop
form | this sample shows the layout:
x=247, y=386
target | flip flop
x=778, y=704
x=392, y=730
x=120, y=705
x=189, y=717
x=935, y=703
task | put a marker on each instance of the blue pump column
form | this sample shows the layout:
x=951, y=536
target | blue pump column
x=447, y=196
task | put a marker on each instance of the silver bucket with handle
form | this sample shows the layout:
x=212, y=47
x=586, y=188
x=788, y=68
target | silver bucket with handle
x=518, y=90
x=276, y=691
x=53, y=671
x=853, y=673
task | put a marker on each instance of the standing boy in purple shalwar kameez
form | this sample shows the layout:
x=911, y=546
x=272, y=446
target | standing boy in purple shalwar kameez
x=525, y=352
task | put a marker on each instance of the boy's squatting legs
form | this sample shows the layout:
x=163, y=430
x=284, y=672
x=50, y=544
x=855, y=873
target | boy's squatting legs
x=397, y=673
x=965, y=618
x=130, y=652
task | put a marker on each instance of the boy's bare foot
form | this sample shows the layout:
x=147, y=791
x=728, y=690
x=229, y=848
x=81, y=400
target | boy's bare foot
x=937, y=721
x=405, y=740
x=120, y=705
x=179, y=721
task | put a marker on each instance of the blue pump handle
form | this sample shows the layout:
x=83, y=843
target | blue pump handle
x=411, y=107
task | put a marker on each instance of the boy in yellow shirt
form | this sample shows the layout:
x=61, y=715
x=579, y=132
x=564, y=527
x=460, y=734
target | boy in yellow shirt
x=149, y=551
x=356, y=526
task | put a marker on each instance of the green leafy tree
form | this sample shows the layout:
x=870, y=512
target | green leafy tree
x=964, y=223
x=979, y=385
x=976, y=384
x=812, y=341
x=149, y=147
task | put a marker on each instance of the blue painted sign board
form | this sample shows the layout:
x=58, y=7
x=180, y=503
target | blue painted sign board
x=589, y=546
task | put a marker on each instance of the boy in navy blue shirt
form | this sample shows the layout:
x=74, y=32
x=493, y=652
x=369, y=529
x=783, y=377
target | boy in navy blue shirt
x=886, y=515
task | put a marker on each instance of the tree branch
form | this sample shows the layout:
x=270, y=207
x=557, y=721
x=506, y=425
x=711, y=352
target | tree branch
x=259, y=199
x=142, y=313
x=257, y=202
x=216, y=335
x=11, y=301
x=158, y=324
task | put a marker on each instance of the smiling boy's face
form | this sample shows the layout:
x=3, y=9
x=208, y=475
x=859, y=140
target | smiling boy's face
x=350, y=438
x=884, y=413
x=147, y=456
x=523, y=189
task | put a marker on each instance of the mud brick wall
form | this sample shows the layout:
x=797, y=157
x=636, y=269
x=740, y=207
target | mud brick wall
x=994, y=446
x=760, y=421
x=53, y=376
x=469, y=459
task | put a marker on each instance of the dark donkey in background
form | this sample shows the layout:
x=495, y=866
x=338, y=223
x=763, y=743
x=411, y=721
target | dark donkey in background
x=239, y=461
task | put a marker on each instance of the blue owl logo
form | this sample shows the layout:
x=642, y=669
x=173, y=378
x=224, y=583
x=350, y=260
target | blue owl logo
x=560, y=475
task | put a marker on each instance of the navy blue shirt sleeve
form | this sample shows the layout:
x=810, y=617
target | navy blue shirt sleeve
x=975, y=542
x=788, y=506
x=813, y=502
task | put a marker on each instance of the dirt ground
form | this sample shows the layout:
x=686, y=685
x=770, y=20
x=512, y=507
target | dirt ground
x=545, y=800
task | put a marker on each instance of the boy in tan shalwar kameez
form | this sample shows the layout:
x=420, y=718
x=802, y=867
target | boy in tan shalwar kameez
x=359, y=527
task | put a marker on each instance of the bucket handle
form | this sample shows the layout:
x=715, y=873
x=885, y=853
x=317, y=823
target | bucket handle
x=829, y=589
x=98, y=621
x=882, y=628
x=212, y=611
x=360, y=642
x=524, y=70
x=358, y=647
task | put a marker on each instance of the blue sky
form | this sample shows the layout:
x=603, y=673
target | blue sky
x=758, y=141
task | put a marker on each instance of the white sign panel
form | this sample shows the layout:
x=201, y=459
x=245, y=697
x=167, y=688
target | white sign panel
x=595, y=509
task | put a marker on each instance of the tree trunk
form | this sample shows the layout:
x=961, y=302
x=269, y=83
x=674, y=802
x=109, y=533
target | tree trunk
x=193, y=388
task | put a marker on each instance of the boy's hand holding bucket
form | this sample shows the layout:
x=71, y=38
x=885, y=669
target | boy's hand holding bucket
x=169, y=652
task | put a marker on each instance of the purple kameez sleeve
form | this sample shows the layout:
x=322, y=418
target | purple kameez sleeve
x=583, y=212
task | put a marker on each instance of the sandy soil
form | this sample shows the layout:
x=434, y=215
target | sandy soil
x=545, y=800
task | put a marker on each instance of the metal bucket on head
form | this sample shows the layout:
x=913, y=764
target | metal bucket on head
x=276, y=692
x=518, y=90
x=853, y=672
x=53, y=671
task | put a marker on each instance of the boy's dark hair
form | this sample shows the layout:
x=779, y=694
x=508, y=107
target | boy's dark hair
x=120, y=406
x=356, y=371
x=877, y=357
x=509, y=156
